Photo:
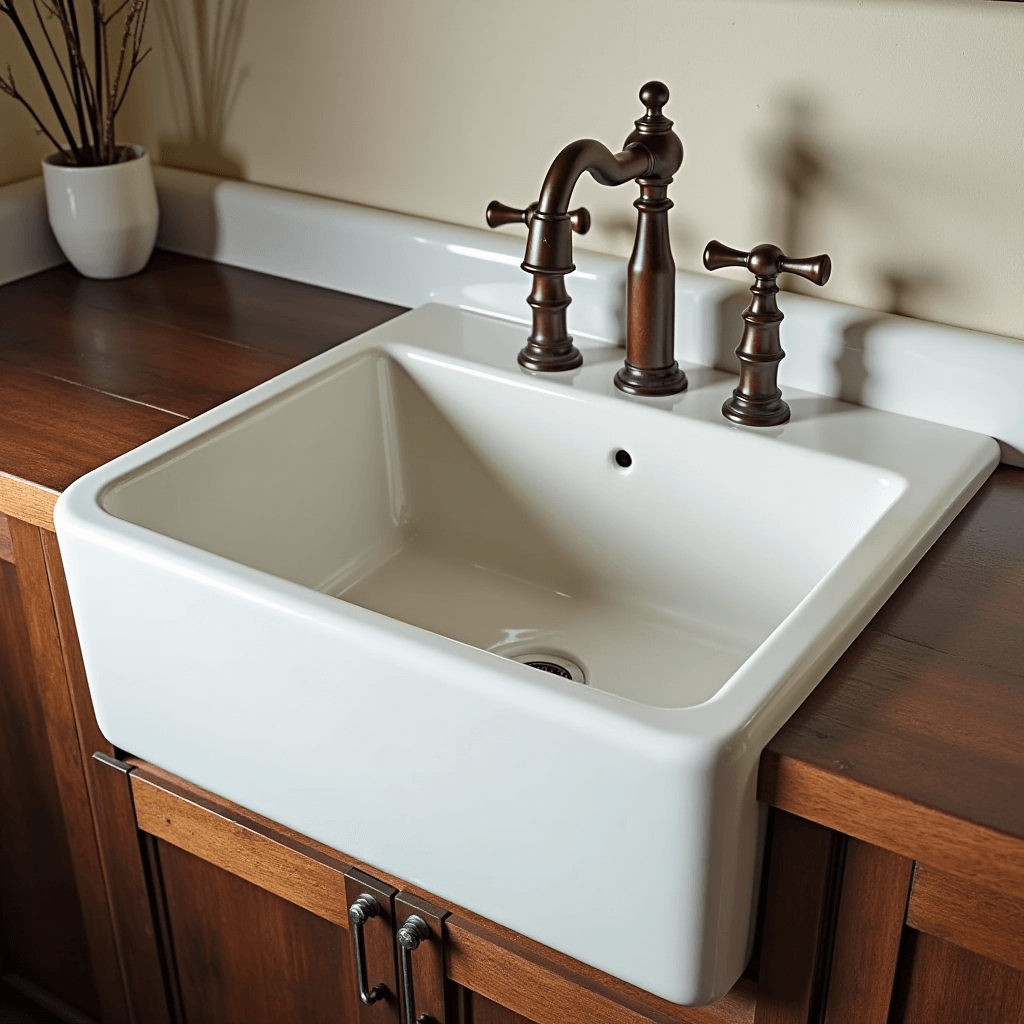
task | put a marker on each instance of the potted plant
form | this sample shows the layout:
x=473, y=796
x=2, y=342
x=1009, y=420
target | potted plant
x=99, y=193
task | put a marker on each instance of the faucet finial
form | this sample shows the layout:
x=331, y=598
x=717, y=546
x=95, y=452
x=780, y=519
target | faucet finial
x=654, y=95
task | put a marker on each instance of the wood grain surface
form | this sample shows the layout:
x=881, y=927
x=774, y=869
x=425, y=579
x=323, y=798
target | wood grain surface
x=869, y=929
x=127, y=888
x=798, y=921
x=944, y=984
x=52, y=432
x=428, y=979
x=44, y=937
x=915, y=740
x=972, y=916
x=91, y=369
x=256, y=310
x=243, y=846
x=544, y=987
x=247, y=956
x=67, y=762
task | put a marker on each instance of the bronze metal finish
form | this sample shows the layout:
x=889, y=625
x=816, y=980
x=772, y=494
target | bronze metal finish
x=757, y=402
x=651, y=154
x=498, y=214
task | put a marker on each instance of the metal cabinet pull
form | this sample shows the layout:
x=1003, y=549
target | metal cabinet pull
x=364, y=908
x=410, y=935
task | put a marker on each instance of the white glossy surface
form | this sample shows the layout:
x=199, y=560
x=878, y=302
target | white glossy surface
x=293, y=600
x=104, y=218
x=945, y=374
x=29, y=245
x=939, y=373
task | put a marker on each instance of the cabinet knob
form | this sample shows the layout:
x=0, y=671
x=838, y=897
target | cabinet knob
x=498, y=214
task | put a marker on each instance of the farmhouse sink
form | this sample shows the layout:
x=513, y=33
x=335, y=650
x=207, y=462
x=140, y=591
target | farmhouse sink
x=518, y=639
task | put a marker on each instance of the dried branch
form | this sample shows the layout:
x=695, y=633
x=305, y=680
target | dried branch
x=108, y=18
x=49, y=43
x=7, y=86
x=73, y=38
x=69, y=24
x=11, y=11
x=68, y=21
x=128, y=78
x=96, y=93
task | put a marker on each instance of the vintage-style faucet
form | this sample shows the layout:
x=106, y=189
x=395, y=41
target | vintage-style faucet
x=651, y=154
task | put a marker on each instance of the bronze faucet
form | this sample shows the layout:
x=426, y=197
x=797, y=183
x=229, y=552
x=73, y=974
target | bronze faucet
x=757, y=402
x=651, y=154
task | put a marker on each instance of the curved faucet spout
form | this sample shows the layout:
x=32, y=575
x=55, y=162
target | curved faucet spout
x=549, y=245
x=652, y=153
x=606, y=167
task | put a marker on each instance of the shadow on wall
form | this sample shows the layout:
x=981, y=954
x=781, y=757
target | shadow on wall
x=805, y=175
x=801, y=176
x=202, y=41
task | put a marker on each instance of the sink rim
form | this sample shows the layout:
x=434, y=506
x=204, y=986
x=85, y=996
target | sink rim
x=840, y=592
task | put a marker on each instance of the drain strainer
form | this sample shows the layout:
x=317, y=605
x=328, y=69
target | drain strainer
x=556, y=664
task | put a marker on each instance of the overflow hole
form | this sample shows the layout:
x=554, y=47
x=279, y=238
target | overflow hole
x=623, y=459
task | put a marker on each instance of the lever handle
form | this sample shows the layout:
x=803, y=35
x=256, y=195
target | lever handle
x=361, y=911
x=717, y=256
x=816, y=269
x=767, y=262
x=498, y=214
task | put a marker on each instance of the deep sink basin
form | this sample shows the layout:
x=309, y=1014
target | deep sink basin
x=309, y=599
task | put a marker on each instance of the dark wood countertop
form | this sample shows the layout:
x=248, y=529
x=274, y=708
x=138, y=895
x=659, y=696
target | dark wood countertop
x=91, y=369
x=914, y=741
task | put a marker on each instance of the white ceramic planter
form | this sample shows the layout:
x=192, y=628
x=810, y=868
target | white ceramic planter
x=105, y=218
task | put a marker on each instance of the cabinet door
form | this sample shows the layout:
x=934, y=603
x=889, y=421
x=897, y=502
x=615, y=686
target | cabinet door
x=915, y=945
x=253, y=921
x=242, y=953
x=941, y=983
x=962, y=958
x=57, y=943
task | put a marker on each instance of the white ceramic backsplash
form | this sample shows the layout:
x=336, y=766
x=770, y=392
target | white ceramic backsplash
x=944, y=374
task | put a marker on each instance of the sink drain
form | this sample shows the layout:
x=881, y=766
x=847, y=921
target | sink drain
x=556, y=664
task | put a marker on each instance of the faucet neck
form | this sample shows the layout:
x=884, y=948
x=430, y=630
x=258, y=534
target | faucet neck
x=605, y=167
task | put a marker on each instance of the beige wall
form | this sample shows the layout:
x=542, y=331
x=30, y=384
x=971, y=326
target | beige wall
x=900, y=122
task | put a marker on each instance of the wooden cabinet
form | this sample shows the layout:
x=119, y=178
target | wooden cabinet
x=915, y=945
x=57, y=941
x=253, y=918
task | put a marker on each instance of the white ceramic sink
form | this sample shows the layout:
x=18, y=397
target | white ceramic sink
x=308, y=600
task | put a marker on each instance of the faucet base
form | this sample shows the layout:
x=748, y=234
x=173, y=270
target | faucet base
x=665, y=380
x=547, y=359
x=756, y=410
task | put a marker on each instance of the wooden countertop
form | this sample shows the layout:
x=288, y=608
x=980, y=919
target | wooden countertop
x=915, y=739
x=91, y=369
